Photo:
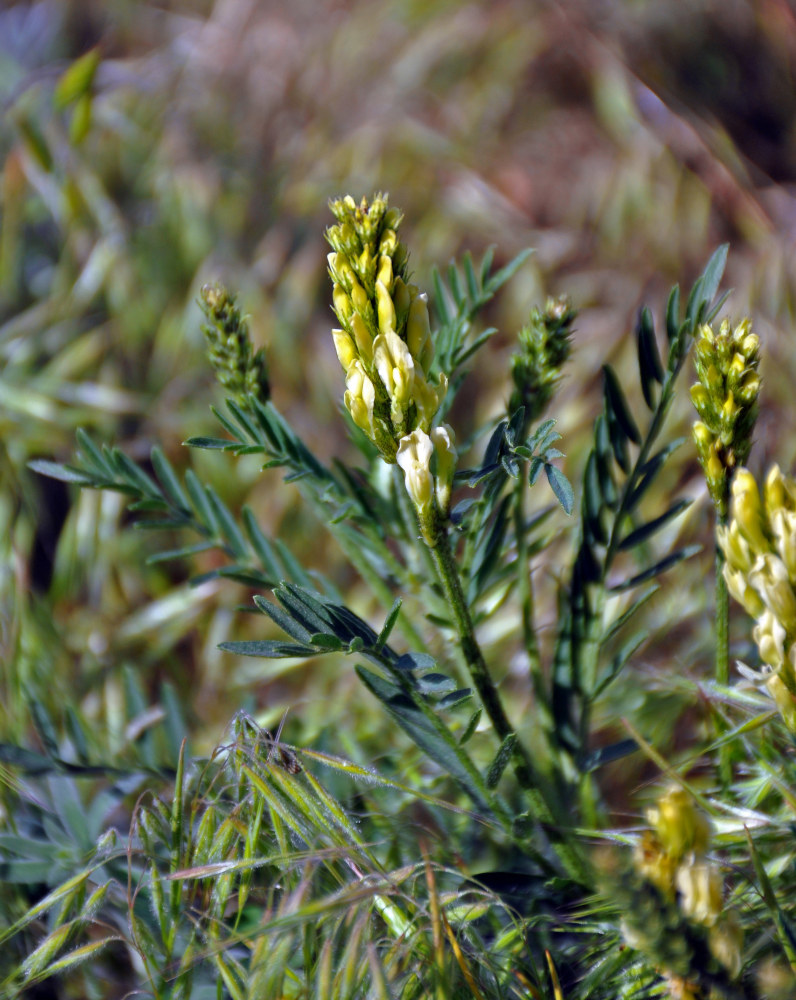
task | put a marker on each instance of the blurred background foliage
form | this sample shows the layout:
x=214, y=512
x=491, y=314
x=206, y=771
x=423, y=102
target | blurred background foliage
x=199, y=140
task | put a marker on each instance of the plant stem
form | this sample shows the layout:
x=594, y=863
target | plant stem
x=525, y=583
x=527, y=774
x=723, y=653
x=722, y=618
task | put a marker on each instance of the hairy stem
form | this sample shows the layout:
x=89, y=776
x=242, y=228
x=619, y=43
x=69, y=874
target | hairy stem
x=528, y=776
x=722, y=618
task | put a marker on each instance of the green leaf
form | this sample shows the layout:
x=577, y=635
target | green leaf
x=415, y=661
x=708, y=284
x=455, y=286
x=269, y=648
x=618, y=661
x=326, y=642
x=211, y=443
x=486, y=263
x=66, y=473
x=199, y=500
x=561, y=486
x=786, y=931
x=185, y=552
x=448, y=754
x=76, y=81
x=617, y=404
x=284, y=620
x=469, y=274
x=435, y=683
x=645, y=531
x=389, y=624
x=618, y=623
x=649, y=471
x=499, y=278
x=501, y=761
x=80, y=123
x=659, y=567
x=593, y=502
x=92, y=453
x=229, y=529
x=470, y=728
x=673, y=314
x=440, y=298
x=649, y=361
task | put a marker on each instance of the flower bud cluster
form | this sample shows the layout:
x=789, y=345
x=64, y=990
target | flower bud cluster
x=242, y=372
x=384, y=339
x=672, y=857
x=725, y=398
x=759, y=547
x=545, y=345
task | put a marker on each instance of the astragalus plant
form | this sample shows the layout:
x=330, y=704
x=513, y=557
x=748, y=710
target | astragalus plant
x=481, y=859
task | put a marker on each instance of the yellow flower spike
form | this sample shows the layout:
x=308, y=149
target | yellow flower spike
x=748, y=511
x=345, y=347
x=396, y=369
x=783, y=529
x=655, y=864
x=779, y=491
x=700, y=886
x=735, y=547
x=444, y=440
x=770, y=637
x=785, y=700
x=769, y=577
x=386, y=389
x=725, y=941
x=739, y=588
x=680, y=826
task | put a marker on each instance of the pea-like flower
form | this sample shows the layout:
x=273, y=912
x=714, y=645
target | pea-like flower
x=384, y=335
x=759, y=547
x=428, y=462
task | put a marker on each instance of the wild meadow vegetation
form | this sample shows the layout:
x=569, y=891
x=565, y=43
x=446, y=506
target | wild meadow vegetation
x=417, y=620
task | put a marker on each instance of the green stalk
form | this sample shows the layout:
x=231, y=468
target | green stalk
x=722, y=618
x=525, y=584
x=527, y=774
x=723, y=653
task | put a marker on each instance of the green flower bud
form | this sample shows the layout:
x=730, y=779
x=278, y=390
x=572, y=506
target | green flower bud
x=725, y=397
x=444, y=439
x=545, y=345
x=242, y=372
